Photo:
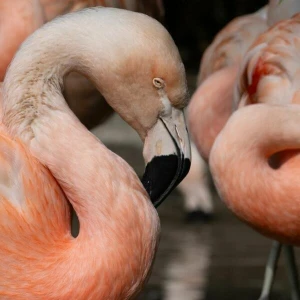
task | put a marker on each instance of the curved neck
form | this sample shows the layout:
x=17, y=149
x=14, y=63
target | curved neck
x=256, y=188
x=35, y=111
x=33, y=86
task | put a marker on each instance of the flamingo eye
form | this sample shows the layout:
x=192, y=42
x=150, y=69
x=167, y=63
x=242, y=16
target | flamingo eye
x=158, y=83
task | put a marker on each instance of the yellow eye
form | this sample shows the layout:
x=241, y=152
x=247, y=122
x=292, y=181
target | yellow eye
x=158, y=83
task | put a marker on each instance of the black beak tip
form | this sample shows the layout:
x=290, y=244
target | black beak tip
x=162, y=175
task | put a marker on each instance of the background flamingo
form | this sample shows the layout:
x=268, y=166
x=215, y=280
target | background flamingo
x=269, y=76
x=219, y=103
x=109, y=259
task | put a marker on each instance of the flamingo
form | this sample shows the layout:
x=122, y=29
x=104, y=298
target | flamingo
x=269, y=75
x=218, y=102
x=49, y=158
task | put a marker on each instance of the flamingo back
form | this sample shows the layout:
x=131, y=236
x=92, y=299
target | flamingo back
x=270, y=72
x=255, y=165
x=231, y=43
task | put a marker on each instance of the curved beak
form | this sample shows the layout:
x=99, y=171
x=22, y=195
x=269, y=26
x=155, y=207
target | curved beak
x=167, y=154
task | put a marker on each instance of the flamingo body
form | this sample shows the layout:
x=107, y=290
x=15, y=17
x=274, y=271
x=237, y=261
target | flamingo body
x=265, y=194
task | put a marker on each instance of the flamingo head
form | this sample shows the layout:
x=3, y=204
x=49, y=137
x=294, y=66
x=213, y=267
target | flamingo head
x=150, y=94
